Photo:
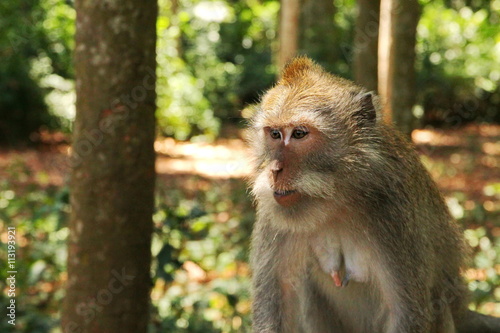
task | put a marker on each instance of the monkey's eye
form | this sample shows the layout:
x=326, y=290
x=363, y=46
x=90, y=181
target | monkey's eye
x=275, y=134
x=299, y=133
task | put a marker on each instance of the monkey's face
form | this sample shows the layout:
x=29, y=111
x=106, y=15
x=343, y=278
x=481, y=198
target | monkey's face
x=295, y=162
x=309, y=136
x=288, y=146
x=295, y=168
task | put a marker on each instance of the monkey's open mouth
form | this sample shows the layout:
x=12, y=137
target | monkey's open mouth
x=286, y=197
x=283, y=193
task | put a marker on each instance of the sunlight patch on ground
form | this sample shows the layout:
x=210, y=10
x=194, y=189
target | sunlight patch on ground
x=223, y=159
x=491, y=148
x=435, y=138
x=460, y=136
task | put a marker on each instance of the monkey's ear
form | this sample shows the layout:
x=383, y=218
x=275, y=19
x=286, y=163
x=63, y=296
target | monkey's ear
x=366, y=112
x=296, y=69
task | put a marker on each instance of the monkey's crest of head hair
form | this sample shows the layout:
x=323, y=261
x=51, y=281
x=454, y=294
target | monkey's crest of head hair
x=296, y=69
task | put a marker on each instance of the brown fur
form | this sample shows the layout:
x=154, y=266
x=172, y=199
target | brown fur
x=362, y=186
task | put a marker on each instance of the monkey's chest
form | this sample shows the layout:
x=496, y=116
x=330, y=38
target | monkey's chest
x=308, y=268
x=338, y=255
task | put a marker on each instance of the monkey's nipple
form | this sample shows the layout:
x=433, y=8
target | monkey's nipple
x=340, y=282
x=286, y=198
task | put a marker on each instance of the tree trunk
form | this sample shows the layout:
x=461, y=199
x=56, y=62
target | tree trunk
x=318, y=33
x=384, y=55
x=398, y=26
x=289, y=31
x=366, y=44
x=112, y=181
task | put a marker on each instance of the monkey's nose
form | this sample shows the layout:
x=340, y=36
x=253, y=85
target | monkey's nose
x=276, y=168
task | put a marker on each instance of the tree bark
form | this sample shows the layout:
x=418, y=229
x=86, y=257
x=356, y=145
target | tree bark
x=113, y=175
x=366, y=44
x=397, y=79
x=289, y=31
x=384, y=55
x=318, y=33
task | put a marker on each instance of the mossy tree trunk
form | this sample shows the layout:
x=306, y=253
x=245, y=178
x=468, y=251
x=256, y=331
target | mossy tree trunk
x=365, y=63
x=288, y=31
x=318, y=33
x=113, y=172
x=397, y=78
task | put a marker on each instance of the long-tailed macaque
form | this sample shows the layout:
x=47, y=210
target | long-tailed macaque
x=352, y=234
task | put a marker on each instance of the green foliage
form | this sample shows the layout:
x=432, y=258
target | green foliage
x=216, y=57
x=345, y=17
x=249, y=42
x=32, y=37
x=209, y=241
x=487, y=250
x=213, y=58
x=182, y=111
x=459, y=60
x=486, y=247
x=39, y=215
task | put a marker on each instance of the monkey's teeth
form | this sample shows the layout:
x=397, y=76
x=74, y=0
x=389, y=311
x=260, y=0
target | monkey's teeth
x=283, y=193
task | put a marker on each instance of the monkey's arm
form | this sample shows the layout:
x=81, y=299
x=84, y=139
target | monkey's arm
x=409, y=305
x=267, y=293
x=474, y=322
x=404, y=279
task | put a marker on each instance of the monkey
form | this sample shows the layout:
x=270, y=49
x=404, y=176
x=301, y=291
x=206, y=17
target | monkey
x=352, y=234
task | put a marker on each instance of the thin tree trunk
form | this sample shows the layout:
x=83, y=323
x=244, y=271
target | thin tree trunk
x=366, y=44
x=112, y=184
x=318, y=33
x=384, y=56
x=397, y=79
x=289, y=31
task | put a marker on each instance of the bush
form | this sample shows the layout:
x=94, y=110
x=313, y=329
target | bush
x=36, y=42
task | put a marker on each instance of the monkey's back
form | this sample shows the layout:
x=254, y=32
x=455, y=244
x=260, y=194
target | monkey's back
x=405, y=200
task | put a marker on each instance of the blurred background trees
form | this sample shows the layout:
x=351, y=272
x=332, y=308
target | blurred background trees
x=214, y=59
x=36, y=73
